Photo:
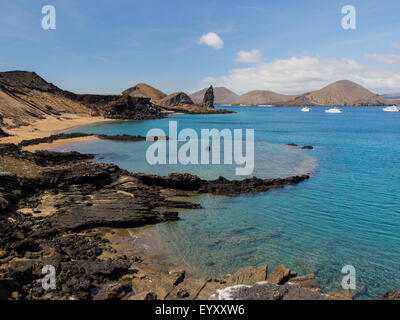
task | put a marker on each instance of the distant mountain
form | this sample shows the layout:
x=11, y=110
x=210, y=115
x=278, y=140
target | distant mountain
x=393, y=96
x=344, y=93
x=340, y=93
x=262, y=97
x=146, y=91
x=222, y=96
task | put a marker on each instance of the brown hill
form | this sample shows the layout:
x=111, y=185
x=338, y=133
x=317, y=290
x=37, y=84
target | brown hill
x=393, y=96
x=262, y=97
x=144, y=90
x=222, y=96
x=340, y=93
x=25, y=97
x=344, y=93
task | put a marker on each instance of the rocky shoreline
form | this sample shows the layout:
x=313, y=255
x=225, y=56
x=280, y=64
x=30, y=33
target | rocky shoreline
x=61, y=209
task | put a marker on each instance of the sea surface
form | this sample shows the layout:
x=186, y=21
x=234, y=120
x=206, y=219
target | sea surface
x=348, y=213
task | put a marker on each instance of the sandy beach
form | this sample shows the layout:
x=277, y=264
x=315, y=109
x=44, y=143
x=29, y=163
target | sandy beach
x=49, y=126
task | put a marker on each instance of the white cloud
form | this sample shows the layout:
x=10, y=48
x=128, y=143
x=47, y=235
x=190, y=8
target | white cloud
x=299, y=75
x=252, y=56
x=385, y=58
x=212, y=39
x=396, y=45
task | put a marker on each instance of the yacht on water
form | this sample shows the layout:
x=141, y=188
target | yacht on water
x=391, y=109
x=334, y=110
x=305, y=109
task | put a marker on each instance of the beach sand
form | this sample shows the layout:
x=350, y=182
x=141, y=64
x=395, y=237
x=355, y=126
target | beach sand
x=49, y=126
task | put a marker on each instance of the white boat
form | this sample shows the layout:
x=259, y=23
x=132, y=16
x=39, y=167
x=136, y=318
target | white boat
x=391, y=109
x=305, y=109
x=334, y=110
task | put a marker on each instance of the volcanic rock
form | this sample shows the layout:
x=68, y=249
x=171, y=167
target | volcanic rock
x=175, y=99
x=391, y=295
x=208, y=100
x=281, y=275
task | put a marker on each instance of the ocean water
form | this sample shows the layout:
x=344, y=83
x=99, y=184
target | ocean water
x=348, y=213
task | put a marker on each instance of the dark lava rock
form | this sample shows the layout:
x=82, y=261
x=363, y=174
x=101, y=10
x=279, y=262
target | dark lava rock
x=52, y=158
x=224, y=186
x=126, y=107
x=180, y=181
x=220, y=186
x=391, y=295
x=175, y=99
x=120, y=106
x=52, y=138
x=208, y=100
x=3, y=134
x=122, y=138
x=7, y=287
x=301, y=147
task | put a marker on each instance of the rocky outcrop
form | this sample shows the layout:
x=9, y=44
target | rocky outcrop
x=281, y=275
x=222, y=96
x=307, y=281
x=208, y=100
x=221, y=186
x=121, y=107
x=175, y=99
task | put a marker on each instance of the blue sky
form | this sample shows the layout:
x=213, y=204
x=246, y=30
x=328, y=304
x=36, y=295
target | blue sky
x=102, y=46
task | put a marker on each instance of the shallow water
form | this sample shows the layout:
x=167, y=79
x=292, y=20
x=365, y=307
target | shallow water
x=348, y=213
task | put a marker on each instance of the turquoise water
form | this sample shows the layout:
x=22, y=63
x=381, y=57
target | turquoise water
x=348, y=213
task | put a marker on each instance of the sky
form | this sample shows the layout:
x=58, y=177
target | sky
x=287, y=46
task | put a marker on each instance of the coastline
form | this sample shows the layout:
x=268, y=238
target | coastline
x=65, y=210
x=50, y=126
x=154, y=266
x=148, y=243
